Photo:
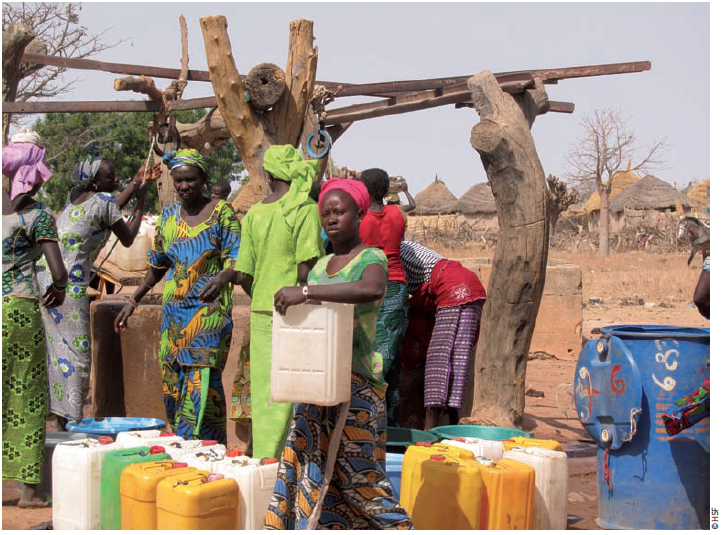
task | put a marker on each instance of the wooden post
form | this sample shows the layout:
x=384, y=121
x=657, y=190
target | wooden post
x=503, y=140
x=15, y=38
x=253, y=132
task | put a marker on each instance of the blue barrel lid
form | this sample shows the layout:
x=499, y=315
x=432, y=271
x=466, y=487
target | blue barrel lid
x=656, y=331
x=608, y=391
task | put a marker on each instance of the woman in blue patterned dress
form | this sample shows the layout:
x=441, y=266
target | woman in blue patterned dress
x=84, y=226
x=28, y=232
x=195, y=247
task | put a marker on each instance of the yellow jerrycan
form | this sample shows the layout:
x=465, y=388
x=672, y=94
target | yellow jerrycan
x=524, y=442
x=508, y=489
x=411, y=472
x=200, y=500
x=138, y=488
x=448, y=495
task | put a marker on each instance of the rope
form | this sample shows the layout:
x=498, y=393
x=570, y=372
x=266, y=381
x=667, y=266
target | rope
x=320, y=99
x=606, y=471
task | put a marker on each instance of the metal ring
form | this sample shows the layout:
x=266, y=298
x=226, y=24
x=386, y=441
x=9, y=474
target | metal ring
x=328, y=141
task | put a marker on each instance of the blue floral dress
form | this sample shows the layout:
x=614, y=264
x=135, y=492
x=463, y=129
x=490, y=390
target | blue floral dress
x=84, y=229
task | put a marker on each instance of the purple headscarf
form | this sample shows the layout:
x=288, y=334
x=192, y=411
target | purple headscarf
x=24, y=165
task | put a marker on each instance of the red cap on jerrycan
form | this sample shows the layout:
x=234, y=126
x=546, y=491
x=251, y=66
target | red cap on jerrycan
x=459, y=439
x=438, y=457
x=234, y=453
x=209, y=443
x=423, y=444
x=105, y=440
x=167, y=434
x=156, y=449
x=178, y=465
x=268, y=460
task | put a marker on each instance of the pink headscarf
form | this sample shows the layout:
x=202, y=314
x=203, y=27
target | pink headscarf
x=355, y=188
x=24, y=165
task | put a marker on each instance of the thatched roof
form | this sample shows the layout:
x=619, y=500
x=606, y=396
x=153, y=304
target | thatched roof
x=621, y=181
x=435, y=199
x=477, y=200
x=649, y=193
x=699, y=195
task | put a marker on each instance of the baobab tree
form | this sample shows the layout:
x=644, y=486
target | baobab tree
x=608, y=146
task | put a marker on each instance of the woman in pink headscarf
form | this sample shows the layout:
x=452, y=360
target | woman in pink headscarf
x=332, y=475
x=28, y=233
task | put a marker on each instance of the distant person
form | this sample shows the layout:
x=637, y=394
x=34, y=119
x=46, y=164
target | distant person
x=445, y=316
x=702, y=293
x=280, y=244
x=220, y=190
x=383, y=227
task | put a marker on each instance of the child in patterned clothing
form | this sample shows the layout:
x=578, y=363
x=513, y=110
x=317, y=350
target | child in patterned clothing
x=345, y=487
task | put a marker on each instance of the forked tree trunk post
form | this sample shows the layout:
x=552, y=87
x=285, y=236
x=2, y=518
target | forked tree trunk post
x=253, y=131
x=503, y=140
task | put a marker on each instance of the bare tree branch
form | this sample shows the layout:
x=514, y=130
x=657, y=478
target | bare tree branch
x=607, y=146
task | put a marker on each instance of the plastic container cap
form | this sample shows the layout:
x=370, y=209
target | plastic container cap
x=167, y=434
x=459, y=439
x=438, y=457
x=209, y=443
x=423, y=444
x=233, y=453
x=156, y=449
x=268, y=460
x=215, y=477
x=178, y=465
x=105, y=440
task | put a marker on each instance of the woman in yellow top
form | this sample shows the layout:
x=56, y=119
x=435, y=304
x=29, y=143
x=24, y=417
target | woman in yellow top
x=280, y=243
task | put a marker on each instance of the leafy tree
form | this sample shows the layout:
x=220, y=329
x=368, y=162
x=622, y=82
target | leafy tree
x=121, y=138
x=605, y=147
x=559, y=199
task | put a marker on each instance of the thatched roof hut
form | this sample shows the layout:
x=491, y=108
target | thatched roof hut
x=649, y=193
x=621, y=181
x=435, y=199
x=700, y=194
x=477, y=200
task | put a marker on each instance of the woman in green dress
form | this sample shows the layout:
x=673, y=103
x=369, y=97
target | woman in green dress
x=195, y=247
x=281, y=241
x=28, y=232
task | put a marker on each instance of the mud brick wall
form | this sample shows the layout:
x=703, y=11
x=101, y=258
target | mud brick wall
x=560, y=318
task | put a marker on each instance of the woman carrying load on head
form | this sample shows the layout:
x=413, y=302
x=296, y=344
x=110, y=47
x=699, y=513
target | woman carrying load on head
x=445, y=318
x=195, y=248
x=28, y=232
x=90, y=215
x=383, y=227
x=332, y=475
x=281, y=241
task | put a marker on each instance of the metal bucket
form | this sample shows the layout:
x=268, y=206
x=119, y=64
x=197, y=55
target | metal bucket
x=624, y=381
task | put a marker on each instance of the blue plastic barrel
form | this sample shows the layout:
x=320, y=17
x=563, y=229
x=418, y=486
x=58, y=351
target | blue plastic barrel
x=625, y=380
x=111, y=426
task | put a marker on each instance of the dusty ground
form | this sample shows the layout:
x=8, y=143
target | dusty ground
x=634, y=288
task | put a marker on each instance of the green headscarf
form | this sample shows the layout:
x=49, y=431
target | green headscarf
x=285, y=163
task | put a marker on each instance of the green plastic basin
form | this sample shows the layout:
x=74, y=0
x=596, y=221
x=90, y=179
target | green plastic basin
x=486, y=432
x=399, y=438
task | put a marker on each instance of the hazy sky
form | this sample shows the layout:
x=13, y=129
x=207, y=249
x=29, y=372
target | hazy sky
x=376, y=42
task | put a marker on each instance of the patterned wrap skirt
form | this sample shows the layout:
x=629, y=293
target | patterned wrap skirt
x=194, y=401
x=25, y=387
x=359, y=494
x=390, y=329
x=454, y=335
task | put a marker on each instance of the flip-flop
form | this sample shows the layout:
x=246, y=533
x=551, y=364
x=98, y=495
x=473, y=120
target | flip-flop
x=34, y=505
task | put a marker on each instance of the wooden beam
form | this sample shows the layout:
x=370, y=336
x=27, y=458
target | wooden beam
x=100, y=106
x=548, y=76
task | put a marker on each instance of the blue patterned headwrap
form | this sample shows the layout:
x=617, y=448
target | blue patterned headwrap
x=190, y=157
x=87, y=168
